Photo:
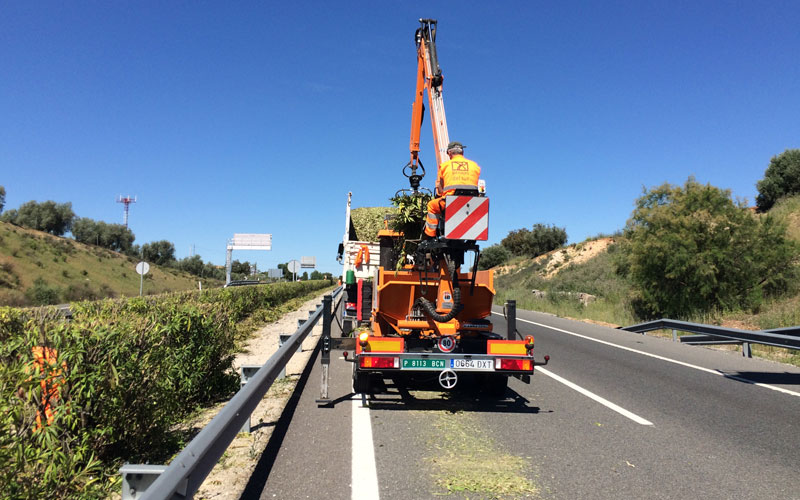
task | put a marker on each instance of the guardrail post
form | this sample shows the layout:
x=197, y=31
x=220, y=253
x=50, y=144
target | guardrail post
x=746, y=352
x=674, y=335
x=136, y=478
x=511, y=319
x=327, y=318
x=246, y=372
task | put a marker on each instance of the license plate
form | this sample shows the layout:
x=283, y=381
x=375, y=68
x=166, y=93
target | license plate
x=472, y=364
x=422, y=364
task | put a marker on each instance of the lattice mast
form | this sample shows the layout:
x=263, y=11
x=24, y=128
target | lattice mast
x=126, y=200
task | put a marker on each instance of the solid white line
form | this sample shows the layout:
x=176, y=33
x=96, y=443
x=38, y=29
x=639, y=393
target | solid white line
x=364, y=475
x=669, y=360
x=622, y=411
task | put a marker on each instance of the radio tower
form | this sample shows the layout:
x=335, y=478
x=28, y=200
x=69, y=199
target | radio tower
x=127, y=200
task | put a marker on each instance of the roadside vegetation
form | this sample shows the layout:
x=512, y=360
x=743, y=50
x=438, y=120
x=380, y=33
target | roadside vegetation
x=115, y=381
x=688, y=252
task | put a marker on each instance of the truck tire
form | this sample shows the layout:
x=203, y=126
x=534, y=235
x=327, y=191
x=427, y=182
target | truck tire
x=361, y=381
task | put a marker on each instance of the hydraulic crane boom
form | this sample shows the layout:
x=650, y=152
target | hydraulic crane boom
x=429, y=77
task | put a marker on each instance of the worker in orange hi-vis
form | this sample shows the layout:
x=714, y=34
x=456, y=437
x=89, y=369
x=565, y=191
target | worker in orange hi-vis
x=456, y=173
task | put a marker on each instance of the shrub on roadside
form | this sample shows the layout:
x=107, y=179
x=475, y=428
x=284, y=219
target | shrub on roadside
x=126, y=370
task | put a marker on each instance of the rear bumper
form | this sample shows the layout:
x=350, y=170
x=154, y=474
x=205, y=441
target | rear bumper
x=413, y=362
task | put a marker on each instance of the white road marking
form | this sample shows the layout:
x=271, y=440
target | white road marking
x=364, y=476
x=669, y=360
x=622, y=411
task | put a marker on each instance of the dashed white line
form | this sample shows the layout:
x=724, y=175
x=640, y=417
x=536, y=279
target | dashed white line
x=656, y=356
x=364, y=475
x=622, y=411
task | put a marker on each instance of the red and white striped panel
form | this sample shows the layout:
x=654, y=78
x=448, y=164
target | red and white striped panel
x=466, y=218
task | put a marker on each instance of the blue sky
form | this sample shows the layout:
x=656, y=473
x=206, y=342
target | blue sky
x=261, y=116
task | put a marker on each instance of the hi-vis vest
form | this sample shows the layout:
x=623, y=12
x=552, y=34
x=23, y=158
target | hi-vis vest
x=457, y=173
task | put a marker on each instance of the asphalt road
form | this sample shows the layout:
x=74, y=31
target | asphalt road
x=614, y=415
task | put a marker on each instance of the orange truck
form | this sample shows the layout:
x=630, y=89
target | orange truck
x=430, y=319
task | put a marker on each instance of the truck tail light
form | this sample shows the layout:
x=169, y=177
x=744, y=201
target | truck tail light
x=379, y=362
x=524, y=365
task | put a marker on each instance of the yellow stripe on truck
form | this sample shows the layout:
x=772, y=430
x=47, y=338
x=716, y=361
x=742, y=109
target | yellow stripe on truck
x=515, y=347
x=377, y=344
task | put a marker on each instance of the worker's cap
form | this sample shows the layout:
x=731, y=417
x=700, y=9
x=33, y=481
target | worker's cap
x=455, y=145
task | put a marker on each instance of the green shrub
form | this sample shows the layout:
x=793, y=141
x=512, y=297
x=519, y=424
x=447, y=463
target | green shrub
x=690, y=249
x=132, y=369
x=492, y=256
x=42, y=294
x=537, y=241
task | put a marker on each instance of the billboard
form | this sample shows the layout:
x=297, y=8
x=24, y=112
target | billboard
x=250, y=241
x=275, y=273
x=308, y=262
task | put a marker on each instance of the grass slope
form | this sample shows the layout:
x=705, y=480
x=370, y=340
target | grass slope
x=37, y=267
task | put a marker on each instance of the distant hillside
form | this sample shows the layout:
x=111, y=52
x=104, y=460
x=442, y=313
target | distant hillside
x=36, y=267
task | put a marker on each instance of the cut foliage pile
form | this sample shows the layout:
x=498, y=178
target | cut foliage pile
x=367, y=221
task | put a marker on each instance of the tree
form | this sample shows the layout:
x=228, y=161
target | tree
x=212, y=271
x=240, y=267
x=532, y=243
x=287, y=275
x=54, y=218
x=493, y=256
x=115, y=237
x=2, y=198
x=782, y=178
x=316, y=275
x=692, y=249
x=161, y=253
x=192, y=265
x=304, y=277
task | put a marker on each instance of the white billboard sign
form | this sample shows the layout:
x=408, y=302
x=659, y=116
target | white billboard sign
x=249, y=241
x=308, y=262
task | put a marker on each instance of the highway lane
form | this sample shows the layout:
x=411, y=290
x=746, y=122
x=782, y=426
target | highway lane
x=712, y=437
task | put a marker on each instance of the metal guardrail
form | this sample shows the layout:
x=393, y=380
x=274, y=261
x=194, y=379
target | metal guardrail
x=187, y=471
x=788, y=338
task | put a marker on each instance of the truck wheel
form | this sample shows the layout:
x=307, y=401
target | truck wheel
x=494, y=386
x=361, y=381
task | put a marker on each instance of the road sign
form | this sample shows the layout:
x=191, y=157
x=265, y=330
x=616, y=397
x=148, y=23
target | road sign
x=293, y=266
x=308, y=262
x=275, y=273
x=250, y=241
x=142, y=268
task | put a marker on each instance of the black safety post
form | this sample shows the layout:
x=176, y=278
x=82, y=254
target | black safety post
x=327, y=319
x=511, y=319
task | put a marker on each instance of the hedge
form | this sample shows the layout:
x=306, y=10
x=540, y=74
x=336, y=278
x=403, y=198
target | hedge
x=125, y=373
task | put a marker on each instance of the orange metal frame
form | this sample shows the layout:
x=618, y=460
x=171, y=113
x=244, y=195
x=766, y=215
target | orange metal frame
x=424, y=79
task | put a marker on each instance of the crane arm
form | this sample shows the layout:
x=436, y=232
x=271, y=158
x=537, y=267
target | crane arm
x=429, y=78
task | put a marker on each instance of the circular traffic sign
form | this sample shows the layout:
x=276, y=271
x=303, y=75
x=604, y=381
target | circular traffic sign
x=447, y=343
x=142, y=268
x=293, y=266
